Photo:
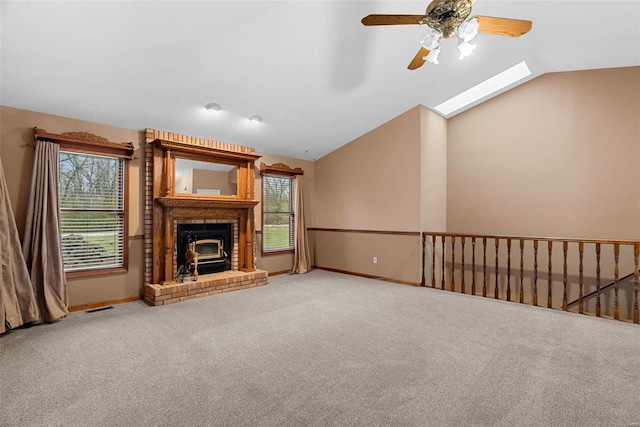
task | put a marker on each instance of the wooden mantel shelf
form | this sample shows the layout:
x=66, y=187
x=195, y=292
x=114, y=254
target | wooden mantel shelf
x=205, y=151
x=199, y=202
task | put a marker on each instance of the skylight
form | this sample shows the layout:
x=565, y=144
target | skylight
x=486, y=88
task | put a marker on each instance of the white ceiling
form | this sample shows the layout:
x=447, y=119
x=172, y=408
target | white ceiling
x=310, y=68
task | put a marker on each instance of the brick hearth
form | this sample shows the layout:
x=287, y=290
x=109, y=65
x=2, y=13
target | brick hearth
x=210, y=284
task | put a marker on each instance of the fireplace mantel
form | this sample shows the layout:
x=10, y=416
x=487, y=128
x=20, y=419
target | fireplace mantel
x=199, y=202
x=170, y=207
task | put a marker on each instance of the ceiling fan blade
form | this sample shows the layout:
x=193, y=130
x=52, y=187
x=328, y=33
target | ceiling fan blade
x=503, y=26
x=418, y=60
x=391, y=19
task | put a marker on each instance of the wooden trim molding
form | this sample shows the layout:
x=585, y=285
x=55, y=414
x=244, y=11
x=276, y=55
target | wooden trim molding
x=86, y=142
x=91, y=305
x=208, y=152
x=201, y=202
x=368, y=276
x=346, y=230
x=541, y=239
x=279, y=169
x=278, y=273
x=278, y=252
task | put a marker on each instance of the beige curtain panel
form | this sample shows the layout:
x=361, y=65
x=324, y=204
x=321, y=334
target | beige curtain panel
x=17, y=300
x=302, y=257
x=41, y=246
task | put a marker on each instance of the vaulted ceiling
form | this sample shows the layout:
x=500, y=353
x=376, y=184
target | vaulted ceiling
x=316, y=75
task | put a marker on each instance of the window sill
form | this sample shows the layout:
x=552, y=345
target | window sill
x=101, y=272
x=279, y=252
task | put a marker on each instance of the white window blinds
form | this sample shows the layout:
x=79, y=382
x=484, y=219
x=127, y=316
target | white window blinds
x=92, y=211
x=278, y=219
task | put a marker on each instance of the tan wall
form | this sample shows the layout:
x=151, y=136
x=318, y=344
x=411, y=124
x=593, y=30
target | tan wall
x=17, y=130
x=399, y=257
x=433, y=171
x=16, y=142
x=372, y=183
x=216, y=180
x=284, y=262
x=557, y=156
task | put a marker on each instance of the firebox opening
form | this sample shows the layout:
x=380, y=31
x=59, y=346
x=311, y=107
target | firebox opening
x=212, y=243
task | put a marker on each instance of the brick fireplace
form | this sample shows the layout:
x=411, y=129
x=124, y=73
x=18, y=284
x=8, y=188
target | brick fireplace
x=229, y=258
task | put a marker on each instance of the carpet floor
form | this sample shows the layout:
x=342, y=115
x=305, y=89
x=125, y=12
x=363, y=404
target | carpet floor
x=323, y=349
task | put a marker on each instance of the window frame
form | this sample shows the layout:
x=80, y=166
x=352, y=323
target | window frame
x=278, y=170
x=90, y=144
x=292, y=213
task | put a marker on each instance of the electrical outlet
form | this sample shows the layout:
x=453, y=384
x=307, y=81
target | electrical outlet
x=375, y=259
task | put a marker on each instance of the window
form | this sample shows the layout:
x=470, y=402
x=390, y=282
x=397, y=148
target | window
x=92, y=211
x=278, y=218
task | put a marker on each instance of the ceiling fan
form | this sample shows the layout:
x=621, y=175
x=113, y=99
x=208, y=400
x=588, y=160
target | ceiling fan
x=446, y=18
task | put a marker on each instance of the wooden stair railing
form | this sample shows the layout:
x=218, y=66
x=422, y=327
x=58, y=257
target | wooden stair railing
x=574, y=273
x=602, y=289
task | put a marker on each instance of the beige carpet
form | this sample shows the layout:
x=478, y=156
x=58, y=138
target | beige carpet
x=323, y=349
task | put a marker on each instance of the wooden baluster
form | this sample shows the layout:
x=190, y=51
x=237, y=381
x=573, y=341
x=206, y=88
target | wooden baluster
x=423, y=281
x=581, y=279
x=535, y=272
x=616, y=273
x=549, y=274
x=598, y=311
x=636, y=252
x=462, y=284
x=496, y=291
x=452, y=286
x=508, y=269
x=443, y=250
x=473, y=266
x=521, y=290
x=565, y=246
x=433, y=261
x=484, y=266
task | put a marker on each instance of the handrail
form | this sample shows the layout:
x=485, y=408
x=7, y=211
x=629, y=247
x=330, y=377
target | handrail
x=602, y=288
x=539, y=238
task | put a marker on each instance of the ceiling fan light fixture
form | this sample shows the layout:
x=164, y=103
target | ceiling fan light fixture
x=433, y=56
x=431, y=39
x=213, y=107
x=468, y=30
x=466, y=49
